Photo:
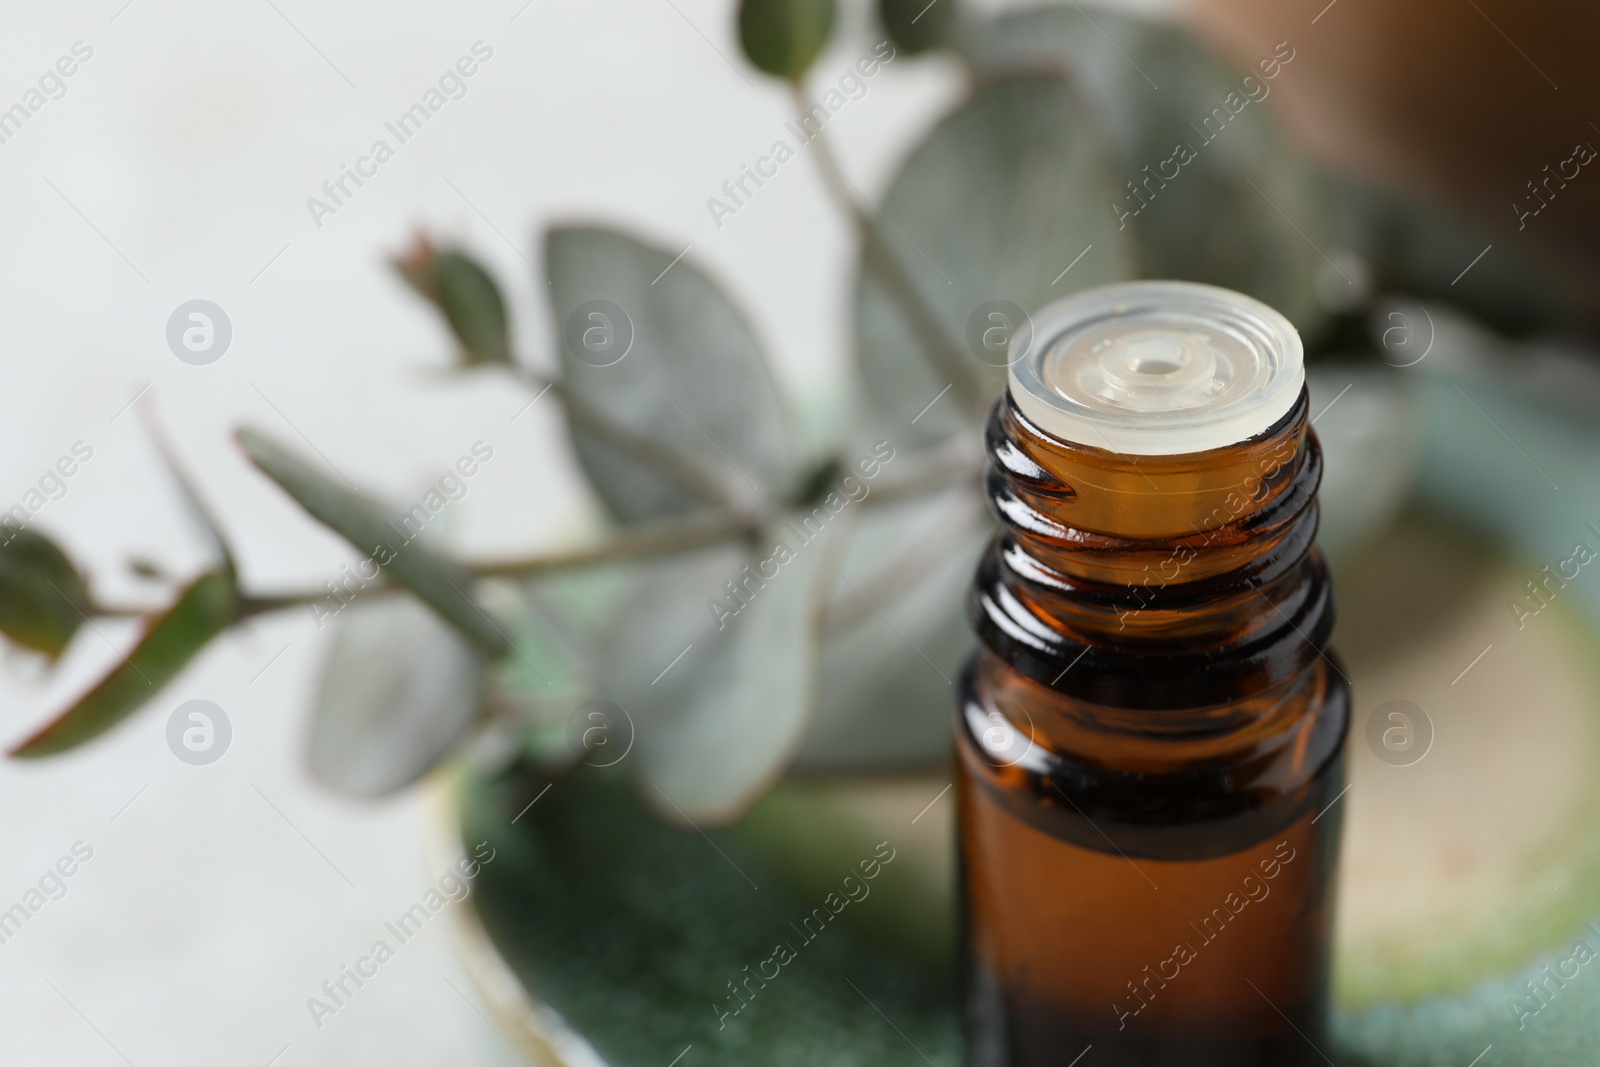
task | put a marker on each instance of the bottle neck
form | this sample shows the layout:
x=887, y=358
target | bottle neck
x=1154, y=582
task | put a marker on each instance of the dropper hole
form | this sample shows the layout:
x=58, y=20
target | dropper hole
x=1155, y=356
x=1158, y=365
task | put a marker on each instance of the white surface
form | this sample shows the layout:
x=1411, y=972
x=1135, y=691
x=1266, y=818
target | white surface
x=1156, y=368
x=177, y=166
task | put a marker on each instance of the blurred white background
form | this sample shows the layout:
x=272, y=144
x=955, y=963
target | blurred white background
x=177, y=166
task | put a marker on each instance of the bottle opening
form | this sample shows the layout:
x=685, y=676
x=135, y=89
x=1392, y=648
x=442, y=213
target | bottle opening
x=1157, y=368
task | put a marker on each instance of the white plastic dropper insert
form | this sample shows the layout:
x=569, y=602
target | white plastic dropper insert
x=1156, y=368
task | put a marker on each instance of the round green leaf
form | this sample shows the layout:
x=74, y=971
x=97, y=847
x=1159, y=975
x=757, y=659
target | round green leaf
x=651, y=344
x=1002, y=205
x=1369, y=426
x=170, y=641
x=440, y=583
x=399, y=689
x=783, y=37
x=42, y=595
x=1244, y=212
x=1421, y=248
x=889, y=664
x=720, y=685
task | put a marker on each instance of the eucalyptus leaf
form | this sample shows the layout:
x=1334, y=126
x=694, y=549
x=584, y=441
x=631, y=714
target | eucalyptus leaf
x=42, y=595
x=988, y=214
x=1244, y=212
x=1369, y=424
x=652, y=344
x=1421, y=248
x=633, y=931
x=399, y=690
x=437, y=582
x=889, y=667
x=783, y=37
x=718, y=682
x=466, y=294
x=170, y=641
x=199, y=514
x=474, y=307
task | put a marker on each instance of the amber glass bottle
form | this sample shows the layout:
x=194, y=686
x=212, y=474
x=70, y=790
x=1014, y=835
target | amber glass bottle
x=1150, y=736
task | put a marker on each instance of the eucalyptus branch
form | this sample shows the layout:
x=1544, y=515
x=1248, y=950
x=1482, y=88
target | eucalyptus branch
x=940, y=349
x=635, y=542
x=663, y=537
x=935, y=469
x=203, y=518
x=653, y=455
x=100, y=610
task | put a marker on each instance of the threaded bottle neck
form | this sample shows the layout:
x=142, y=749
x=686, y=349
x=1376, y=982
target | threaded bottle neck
x=1153, y=581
